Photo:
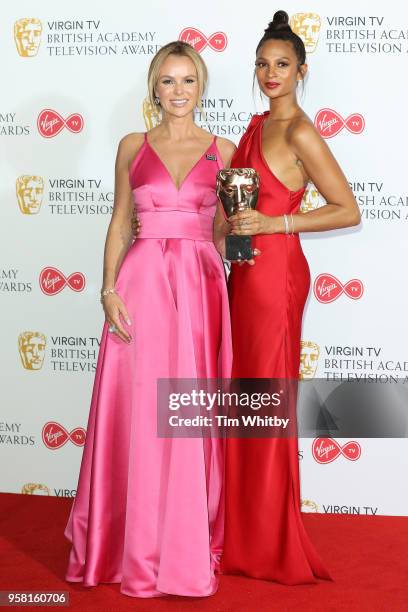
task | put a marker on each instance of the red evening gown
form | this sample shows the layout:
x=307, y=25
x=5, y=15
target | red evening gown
x=264, y=533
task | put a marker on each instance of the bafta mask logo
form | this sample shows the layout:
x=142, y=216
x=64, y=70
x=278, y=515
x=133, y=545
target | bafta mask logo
x=31, y=488
x=307, y=27
x=27, y=36
x=309, y=359
x=307, y=505
x=312, y=199
x=29, y=190
x=31, y=346
x=151, y=114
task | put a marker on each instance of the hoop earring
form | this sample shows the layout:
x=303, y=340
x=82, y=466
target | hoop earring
x=157, y=101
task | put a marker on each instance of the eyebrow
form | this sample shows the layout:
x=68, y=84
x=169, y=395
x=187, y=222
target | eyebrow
x=168, y=76
x=279, y=58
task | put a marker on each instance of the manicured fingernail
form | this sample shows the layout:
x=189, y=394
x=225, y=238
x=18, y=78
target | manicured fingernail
x=128, y=321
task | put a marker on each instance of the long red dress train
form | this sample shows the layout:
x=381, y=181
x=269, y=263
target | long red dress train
x=264, y=533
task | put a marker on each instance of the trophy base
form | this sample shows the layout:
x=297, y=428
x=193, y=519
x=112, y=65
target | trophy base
x=238, y=248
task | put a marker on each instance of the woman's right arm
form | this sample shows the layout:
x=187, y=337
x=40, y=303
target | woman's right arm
x=119, y=236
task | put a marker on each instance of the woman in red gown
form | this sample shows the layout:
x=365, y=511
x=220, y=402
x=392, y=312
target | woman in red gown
x=264, y=534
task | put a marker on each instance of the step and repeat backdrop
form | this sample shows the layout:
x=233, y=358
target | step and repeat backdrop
x=74, y=82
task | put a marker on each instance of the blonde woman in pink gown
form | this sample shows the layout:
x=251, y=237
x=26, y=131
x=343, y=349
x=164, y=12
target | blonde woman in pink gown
x=148, y=512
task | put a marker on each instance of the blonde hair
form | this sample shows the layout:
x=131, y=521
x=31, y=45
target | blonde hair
x=181, y=49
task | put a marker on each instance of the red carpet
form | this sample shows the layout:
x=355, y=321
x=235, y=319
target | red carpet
x=367, y=556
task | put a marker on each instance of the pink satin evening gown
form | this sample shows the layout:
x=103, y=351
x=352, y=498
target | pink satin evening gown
x=148, y=513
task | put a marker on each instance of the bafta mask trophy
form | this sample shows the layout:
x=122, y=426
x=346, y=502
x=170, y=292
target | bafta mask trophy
x=237, y=190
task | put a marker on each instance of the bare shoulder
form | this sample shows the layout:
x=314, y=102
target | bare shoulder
x=129, y=145
x=226, y=148
x=226, y=145
x=301, y=132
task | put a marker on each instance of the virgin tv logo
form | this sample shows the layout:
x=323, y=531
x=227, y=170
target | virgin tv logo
x=50, y=123
x=326, y=450
x=329, y=123
x=55, y=435
x=327, y=288
x=52, y=281
x=194, y=37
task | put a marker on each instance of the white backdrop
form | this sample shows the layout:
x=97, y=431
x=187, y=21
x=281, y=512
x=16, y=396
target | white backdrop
x=90, y=61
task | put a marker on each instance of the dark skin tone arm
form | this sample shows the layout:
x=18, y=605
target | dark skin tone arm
x=319, y=166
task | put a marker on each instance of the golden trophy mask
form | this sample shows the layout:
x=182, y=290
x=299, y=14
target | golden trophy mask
x=29, y=191
x=307, y=27
x=309, y=359
x=238, y=190
x=31, y=346
x=27, y=36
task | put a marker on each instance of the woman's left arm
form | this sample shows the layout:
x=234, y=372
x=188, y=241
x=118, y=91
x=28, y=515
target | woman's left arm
x=323, y=170
x=325, y=173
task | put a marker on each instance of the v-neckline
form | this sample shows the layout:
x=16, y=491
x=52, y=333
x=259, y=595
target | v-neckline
x=178, y=189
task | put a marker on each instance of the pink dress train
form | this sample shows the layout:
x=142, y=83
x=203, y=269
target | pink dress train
x=149, y=512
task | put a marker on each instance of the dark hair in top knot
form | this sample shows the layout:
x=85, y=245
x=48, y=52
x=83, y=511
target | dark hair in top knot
x=280, y=21
x=279, y=29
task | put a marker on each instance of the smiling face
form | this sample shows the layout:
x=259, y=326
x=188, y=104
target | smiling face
x=277, y=68
x=177, y=86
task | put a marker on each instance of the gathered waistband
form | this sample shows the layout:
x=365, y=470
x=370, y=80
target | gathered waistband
x=175, y=224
